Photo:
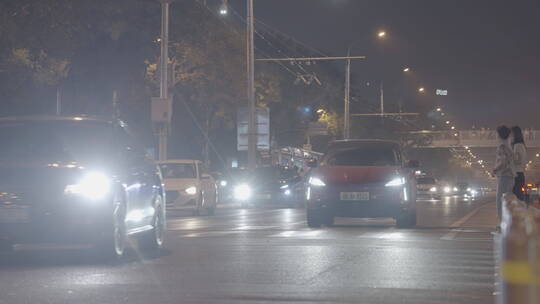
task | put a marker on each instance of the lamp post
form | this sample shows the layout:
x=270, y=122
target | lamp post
x=252, y=123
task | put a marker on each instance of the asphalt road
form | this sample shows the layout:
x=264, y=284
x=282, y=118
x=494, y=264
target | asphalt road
x=265, y=255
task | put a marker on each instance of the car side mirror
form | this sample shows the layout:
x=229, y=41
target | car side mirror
x=413, y=164
x=312, y=163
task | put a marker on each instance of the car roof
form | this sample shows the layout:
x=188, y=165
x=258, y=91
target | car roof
x=352, y=143
x=179, y=161
x=53, y=118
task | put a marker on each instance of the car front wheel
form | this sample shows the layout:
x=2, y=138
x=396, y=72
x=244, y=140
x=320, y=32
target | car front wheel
x=153, y=239
x=113, y=242
x=406, y=220
x=314, y=218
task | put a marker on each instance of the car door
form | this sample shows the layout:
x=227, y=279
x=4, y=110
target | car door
x=138, y=177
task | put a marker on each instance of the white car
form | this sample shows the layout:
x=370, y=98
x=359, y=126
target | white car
x=428, y=188
x=189, y=186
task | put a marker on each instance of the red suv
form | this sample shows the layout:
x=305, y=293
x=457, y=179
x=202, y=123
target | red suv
x=363, y=179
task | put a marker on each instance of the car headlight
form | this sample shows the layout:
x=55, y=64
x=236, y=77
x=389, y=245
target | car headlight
x=223, y=183
x=315, y=181
x=469, y=189
x=398, y=181
x=284, y=187
x=287, y=192
x=94, y=185
x=191, y=190
x=242, y=192
x=447, y=189
x=433, y=189
x=455, y=189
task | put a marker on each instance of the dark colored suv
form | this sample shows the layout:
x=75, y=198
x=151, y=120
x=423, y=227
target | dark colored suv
x=77, y=179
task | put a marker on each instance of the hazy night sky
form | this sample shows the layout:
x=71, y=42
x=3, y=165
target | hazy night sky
x=485, y=52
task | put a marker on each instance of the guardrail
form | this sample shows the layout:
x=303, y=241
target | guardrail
x=519, y=246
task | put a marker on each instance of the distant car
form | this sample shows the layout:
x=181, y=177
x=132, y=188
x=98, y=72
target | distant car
x=277, y=186
x=188, y=186
x=449, y=190
x=428, y=188
x=77, y=179
x=362, y=178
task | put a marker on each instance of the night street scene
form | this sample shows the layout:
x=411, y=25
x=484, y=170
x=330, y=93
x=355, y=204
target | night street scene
x=269, y=151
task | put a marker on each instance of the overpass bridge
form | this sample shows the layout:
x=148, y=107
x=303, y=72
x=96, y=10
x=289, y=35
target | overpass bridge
x=482, y=138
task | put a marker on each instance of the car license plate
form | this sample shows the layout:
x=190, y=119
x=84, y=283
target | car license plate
x=354, y=196
x=14, y=215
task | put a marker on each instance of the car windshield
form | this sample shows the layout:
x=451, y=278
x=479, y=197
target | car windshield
x=178, y=170
x=426, y=181
x=55, y=140
x=369, y=155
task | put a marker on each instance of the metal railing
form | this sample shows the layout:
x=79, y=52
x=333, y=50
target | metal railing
x=519, y=244
x=477, y=138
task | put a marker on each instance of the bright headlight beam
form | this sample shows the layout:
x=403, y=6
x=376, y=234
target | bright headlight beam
x=398, y=181
x=242, y=192
x=191, y=190
x=94, y=185
x=315, y=181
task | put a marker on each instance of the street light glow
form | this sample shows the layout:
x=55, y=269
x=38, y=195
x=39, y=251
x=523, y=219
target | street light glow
x=406, y=70
x=422, y=89
x=381, y=34
x=439, y=109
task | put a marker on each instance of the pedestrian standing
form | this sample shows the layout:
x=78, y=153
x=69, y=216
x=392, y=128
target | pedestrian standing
x=520, y=161
x=504, y=167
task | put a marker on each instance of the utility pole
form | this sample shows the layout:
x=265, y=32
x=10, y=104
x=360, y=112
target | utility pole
x=348, y=58
x=252, y=123
x=382, y=102
x=346, y=114
x=163, y=127
x=58, y=101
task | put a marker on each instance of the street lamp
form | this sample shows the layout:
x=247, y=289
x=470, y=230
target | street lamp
x=381, y=34
x=407, y=69
x=421, y=89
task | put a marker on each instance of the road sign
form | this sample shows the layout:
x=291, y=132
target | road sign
x=161, y=110
x=441, y=92
x=262, y=129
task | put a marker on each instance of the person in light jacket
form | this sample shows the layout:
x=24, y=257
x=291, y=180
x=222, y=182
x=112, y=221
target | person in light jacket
x=520, y=161
x=504, y=167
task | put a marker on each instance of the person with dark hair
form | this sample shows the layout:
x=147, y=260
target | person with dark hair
x=520, y=161
x=504, y=167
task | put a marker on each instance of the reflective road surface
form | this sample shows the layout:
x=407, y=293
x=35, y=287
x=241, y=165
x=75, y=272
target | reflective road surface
x=265, y=255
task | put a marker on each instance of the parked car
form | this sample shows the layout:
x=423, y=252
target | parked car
x=362, y=178
x=428, y=187
x=78, y=179
x=189, y=186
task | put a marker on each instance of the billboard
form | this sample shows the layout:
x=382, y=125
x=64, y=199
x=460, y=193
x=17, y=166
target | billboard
x=262, y=130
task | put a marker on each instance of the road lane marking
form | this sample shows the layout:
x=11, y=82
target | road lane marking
x=453, y=234
x=464, y=219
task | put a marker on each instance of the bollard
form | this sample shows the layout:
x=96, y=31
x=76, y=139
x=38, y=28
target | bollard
x=520, y=269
